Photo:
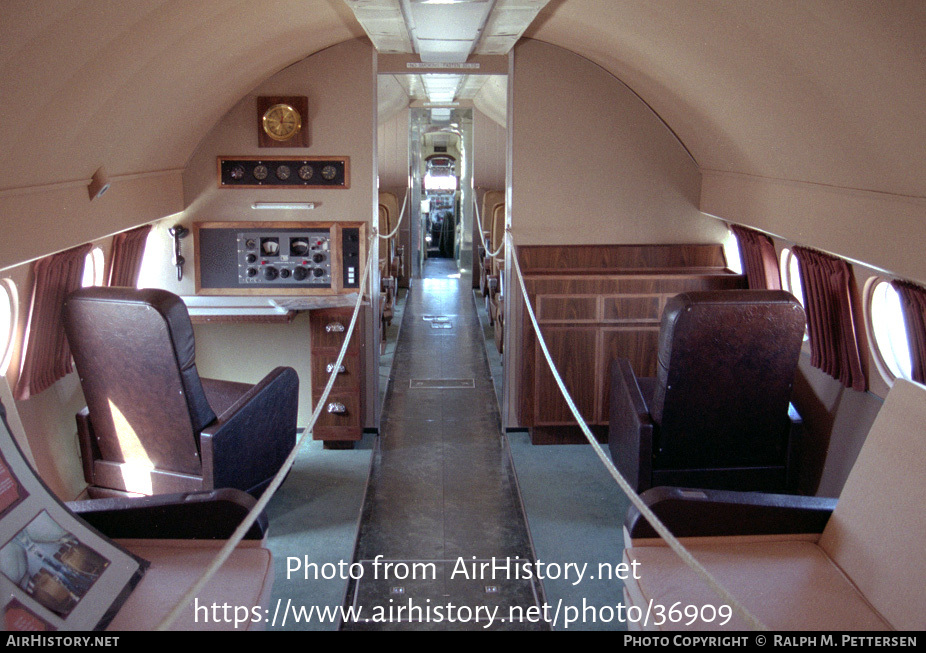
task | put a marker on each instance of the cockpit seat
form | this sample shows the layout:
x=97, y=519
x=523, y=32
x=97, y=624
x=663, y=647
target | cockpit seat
x=718, y=413
x=799, y=562
x=152, y=425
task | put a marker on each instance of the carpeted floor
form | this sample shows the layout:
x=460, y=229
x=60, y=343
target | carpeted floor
x=574, y=512
x=313, y=521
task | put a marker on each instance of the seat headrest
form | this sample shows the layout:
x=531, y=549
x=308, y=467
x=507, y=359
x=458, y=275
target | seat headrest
x=166, y=303
x=129, y=315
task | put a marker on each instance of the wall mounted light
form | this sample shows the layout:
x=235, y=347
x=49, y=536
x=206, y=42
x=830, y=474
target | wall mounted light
x=179, y=232
x=292, y=206
x=98, y=185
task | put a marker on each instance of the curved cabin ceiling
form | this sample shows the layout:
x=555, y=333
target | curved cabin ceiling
x=824, y=91
x=135, y=86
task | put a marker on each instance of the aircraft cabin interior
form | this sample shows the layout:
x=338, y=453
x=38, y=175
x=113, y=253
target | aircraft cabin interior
x=463, y=314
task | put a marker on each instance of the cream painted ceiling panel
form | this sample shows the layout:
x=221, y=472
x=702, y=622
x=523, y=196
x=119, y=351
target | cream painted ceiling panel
x=135, y=85
x=823, y=91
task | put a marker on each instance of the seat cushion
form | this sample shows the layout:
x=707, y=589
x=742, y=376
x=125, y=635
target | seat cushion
x=787, y=585
x=245, y=580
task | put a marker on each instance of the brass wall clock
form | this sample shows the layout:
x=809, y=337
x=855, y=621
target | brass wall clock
x=282, y=121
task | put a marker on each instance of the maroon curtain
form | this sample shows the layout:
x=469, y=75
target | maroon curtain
x=913, y=300
x=760, y=262
x=128, y=250
x=827, y=284
x=46, y=356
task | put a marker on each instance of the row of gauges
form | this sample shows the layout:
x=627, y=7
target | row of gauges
x=272, y=258
x=283, y=172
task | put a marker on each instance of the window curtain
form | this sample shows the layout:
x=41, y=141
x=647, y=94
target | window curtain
x=913, y=300
x=827, y=284
x=760, y=262
x=127, y=253
x=46, y=356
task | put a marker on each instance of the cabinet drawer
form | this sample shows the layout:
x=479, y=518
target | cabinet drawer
x=329, y=328
x=341, y=409
x=350, y=377
x=632, y=309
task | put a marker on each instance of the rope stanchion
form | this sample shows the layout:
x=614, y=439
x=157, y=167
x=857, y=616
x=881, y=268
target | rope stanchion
x=268, y=493
x=635, y=499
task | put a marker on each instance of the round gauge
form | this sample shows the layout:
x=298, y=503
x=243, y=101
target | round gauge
x=329, y=172
x=283, y=173
x=281, y=122
x=237, y=172
x=270, y=247
x=306, y=172
x=260, y=172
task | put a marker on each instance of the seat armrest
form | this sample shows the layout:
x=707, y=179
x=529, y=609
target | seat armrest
x=794, y=454
x=246, y=445
x=212, y=515
x=708, y=513
x=630, y=427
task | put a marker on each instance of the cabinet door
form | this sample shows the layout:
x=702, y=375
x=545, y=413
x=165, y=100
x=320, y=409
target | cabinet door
x=574, y=351
x=639, y=345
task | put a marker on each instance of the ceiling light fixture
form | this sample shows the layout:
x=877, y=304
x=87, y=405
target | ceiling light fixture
x=291, y=206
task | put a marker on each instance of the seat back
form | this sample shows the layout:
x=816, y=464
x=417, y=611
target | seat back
x=135, y=356
x=489, y=200
x=385, y=249
x=726, y=363
x=877, y=530
x=498, y=236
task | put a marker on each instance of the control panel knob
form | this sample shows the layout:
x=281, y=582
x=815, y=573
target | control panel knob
x=252, y=272
x=284, y=273
x=319, y=272
x=270, y=273
x=300, y=273
x=318, y=258
x=251, y=258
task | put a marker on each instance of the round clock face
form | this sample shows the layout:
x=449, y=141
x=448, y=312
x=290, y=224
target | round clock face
x=237, y=172
x=283, y=173
x=260, y=172
x=306, y=172
x=329, y=172
x=281, y=122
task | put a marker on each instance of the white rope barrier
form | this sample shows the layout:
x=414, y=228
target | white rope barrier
x=268, y=493
x=635, y=499
x=482, y=235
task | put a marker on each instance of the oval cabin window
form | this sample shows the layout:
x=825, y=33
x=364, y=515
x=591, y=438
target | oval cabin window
x=887, y=333
x=9, y=310
x=791, y=278
x=93, y=268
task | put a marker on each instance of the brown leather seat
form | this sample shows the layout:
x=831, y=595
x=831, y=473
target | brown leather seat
x=718, y=413
x=152, y=425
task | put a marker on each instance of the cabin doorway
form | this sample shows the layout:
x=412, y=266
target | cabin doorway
x=441, y=143
x=441, y=165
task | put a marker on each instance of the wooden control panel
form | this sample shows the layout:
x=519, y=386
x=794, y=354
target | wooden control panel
x=279, y=258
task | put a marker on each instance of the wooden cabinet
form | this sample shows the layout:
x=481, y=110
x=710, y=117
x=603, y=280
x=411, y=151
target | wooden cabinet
x=595, y=304
x=341, y=419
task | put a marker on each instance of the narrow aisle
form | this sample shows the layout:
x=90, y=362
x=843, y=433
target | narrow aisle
x=442, y=496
